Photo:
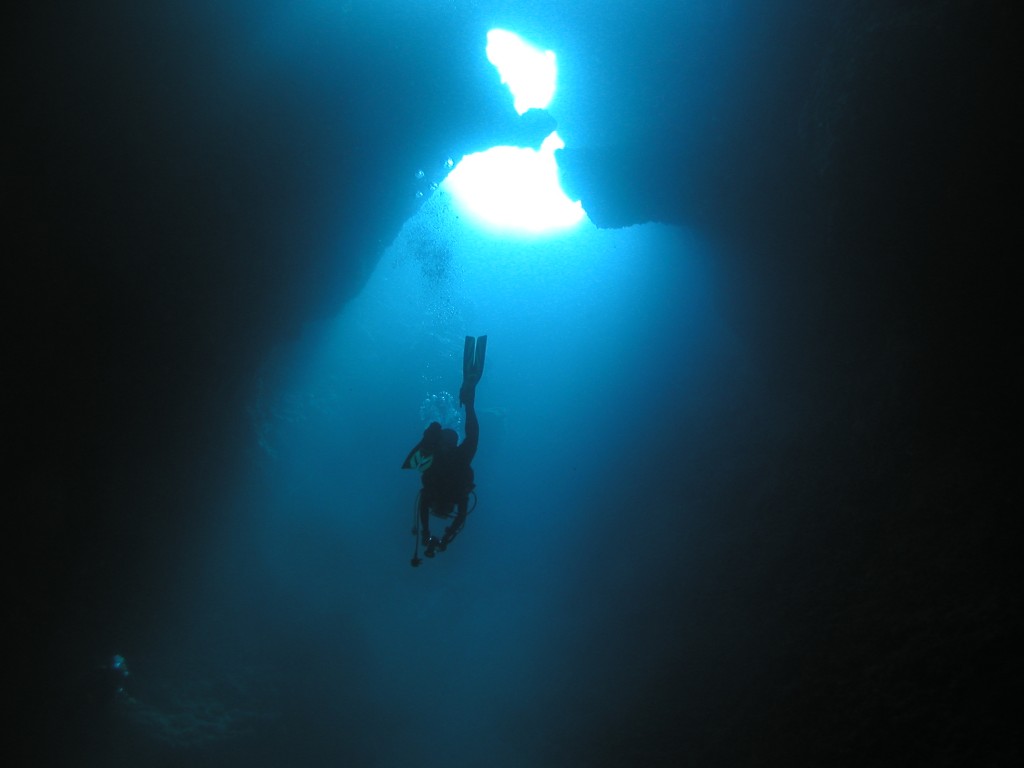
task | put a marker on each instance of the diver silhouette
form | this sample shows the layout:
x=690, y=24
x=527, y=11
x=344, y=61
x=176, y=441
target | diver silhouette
x=444, y=464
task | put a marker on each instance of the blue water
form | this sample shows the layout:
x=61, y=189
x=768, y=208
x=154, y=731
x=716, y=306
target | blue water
x=595, y=340
x=306, y=636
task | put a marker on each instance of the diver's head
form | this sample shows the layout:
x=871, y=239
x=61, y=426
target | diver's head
x=448, y=440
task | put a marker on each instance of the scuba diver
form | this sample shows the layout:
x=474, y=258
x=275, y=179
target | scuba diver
x=444, y=465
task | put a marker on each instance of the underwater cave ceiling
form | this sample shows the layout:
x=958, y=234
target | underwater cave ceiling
x=208, y=223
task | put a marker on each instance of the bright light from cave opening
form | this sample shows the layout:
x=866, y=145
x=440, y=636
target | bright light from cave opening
x=516, y=189
x=528, y=73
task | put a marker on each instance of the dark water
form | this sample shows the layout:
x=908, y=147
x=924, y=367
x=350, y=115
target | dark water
x=741, y=498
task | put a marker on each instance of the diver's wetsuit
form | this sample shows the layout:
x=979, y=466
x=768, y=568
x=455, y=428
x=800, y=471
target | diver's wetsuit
x=448, y=482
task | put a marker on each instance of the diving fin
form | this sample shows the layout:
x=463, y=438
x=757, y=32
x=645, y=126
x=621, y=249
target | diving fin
x=473, y=359
x=422, y=456
x=418, y=460
x=472, y=364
